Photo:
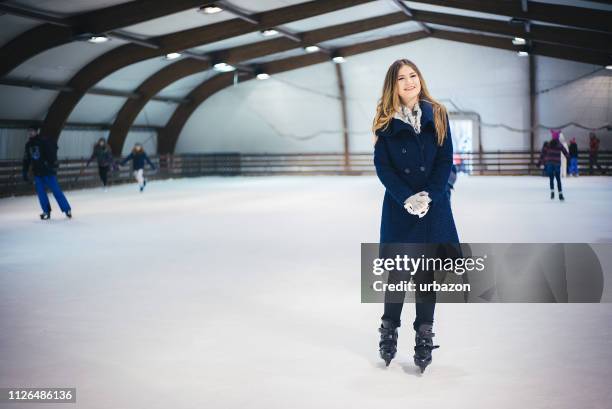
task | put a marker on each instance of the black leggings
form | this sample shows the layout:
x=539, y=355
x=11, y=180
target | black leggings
x=425, y=301
x=103, y=171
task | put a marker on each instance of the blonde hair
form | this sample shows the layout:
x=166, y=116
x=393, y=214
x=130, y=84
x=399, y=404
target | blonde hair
x=390, y=102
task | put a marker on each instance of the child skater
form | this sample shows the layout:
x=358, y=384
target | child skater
x=138, y=158
x=41, y=153
x=413, y=155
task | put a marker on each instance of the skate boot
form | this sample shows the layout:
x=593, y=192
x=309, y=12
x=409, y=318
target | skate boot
x=561, y=196
x=552, y=195
x=388, y=341
x=45, y=216
x=423, y=346
x=69, y=214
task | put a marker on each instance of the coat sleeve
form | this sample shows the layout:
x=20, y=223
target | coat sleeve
x=149, y=161
x=387, y=174
x=443, y=161
x=128, y=158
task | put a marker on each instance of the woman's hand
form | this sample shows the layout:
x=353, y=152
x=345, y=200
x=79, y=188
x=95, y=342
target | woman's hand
x=418, y=204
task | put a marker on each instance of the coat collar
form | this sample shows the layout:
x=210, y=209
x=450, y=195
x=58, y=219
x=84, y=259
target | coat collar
x=396, y=125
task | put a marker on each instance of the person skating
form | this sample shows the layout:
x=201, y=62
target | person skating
x=103, y=155
x=413, y=155
x=594, y=153
x=138, y=156
x=41, y=154
x=551, y=158
x=573, y=162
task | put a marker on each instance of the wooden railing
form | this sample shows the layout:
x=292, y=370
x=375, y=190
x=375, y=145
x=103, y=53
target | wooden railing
x=73, y=174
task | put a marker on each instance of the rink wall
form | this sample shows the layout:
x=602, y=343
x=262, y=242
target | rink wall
x=74, y=174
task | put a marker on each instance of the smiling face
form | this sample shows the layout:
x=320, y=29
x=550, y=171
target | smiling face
x=408, y=85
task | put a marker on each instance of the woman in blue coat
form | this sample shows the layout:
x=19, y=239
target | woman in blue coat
x=413, y=155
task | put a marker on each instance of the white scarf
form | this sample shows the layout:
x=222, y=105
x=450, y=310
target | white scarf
x=412, y=118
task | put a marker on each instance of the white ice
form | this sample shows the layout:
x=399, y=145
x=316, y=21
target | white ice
x=245, y=293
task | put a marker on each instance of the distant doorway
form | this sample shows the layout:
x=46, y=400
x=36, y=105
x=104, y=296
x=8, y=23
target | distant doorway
x=465, y=134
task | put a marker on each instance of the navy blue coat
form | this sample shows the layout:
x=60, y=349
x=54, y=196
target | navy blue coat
x=41, y=153
x=138, y=160
x=407, y=163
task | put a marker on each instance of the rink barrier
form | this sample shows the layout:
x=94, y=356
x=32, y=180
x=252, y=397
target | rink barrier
x=73, y=174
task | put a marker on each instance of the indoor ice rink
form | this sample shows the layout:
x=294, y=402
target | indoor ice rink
x=231, y=279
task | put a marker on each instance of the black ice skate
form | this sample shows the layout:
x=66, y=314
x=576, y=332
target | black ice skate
x=561, y=196
x=388, y=341
x=45, y=216
x=423, y=346
x=552, y=195
x=69, y=214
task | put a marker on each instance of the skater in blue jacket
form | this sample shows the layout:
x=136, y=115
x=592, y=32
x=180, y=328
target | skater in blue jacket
x=138, y=157
x=413, y=156
x=41, y=153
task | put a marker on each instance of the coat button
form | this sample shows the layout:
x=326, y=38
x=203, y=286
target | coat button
x=422, y=168
x=406, y=170
x=404, y=150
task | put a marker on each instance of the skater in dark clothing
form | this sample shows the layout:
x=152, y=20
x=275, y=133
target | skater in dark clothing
x=104, y=157
x=593, y=153
x=138, y=157
x=551, y=158
x=573, y=162
x=413, y=156
x=41, y=154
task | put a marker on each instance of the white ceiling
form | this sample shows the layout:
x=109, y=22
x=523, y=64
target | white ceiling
x=192, y=18
x=277, y=56
x=392, y=30
x=129, y=78
x=66, y=7
x=59, y=64
x=172, y=23
x=367, y=10
x=12, y=26
x=253, y=37
x=184, y=86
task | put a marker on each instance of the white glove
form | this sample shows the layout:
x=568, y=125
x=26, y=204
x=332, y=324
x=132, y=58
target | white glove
x=418, y=204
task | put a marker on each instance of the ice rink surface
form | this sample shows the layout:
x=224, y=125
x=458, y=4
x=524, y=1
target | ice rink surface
x=245, y=293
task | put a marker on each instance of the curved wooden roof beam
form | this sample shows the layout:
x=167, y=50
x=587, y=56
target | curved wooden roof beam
x=63, y=31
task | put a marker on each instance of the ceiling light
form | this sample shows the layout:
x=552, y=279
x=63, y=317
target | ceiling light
x=98, y=39
x=523, y=53
x=519, y=41
x=263, y=76
x=224, y=67
x=210, y=9
x=312, y=49
x=338, y=59
x=608, y=67
x=173, y=56
x=268, y=33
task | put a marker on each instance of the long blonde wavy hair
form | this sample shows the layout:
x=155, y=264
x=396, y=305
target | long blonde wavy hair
x=390, y=102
